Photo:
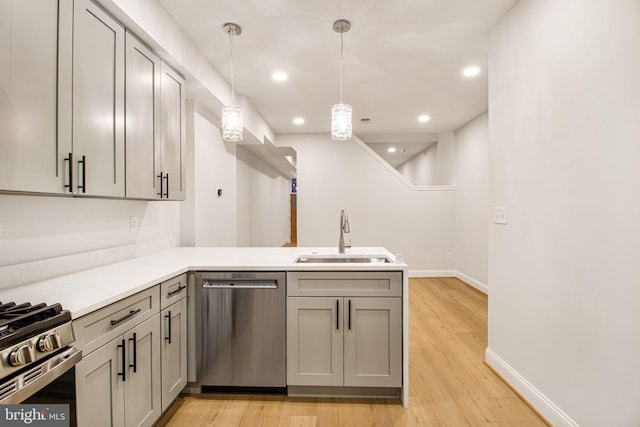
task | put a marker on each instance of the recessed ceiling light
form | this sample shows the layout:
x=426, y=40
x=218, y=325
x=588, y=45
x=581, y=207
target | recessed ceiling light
x=424, y=118
x=391, y=149
x=471, y=71
x=298, y=120
x=280, y=76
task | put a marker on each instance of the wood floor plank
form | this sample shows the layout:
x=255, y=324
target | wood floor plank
x=449, y=383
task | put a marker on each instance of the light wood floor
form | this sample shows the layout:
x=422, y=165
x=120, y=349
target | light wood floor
x=449, y=382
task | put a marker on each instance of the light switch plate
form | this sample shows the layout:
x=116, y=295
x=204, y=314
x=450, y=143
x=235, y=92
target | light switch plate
x=500, y=215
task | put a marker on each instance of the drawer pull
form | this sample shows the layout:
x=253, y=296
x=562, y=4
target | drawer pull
x=176, y=291
x=125, y=317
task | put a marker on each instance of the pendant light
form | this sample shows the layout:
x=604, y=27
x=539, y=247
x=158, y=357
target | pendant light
x=232, y=122
x=341, y=114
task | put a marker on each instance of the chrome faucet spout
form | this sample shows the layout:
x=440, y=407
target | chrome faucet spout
x=344, y=228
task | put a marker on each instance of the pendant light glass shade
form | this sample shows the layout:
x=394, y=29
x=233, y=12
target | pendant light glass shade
x=341, y=114
x=232, y=121
x=341, y=128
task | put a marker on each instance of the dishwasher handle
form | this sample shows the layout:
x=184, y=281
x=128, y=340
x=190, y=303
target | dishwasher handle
x=239, y=284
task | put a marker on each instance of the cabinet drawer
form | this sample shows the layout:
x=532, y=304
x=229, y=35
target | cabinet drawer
x=97, y=328
x=345, y=283
x=173, y=290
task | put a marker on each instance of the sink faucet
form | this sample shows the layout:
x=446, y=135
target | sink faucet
x=344, y=228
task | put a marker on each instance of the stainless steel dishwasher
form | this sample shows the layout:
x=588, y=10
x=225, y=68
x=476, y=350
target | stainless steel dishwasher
x=241, y=336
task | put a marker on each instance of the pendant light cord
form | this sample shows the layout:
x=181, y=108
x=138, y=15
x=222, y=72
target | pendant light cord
x=233, y=86
x=341, y=56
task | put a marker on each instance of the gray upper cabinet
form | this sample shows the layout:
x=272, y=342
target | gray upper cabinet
x=98, y=102
x=64, y=121
x=142, y=118
x=32, y=151
x=172, y=135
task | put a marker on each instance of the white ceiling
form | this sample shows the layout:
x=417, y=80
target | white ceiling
x=402, y=58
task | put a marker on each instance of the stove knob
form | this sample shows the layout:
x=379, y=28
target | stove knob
x=49, y=342
x=21, y=356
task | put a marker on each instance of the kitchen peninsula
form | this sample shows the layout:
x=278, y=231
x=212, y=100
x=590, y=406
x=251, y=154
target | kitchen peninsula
x=366, y=276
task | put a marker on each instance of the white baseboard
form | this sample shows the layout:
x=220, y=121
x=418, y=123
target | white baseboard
x=432, y=273
x=481, y=286
x=539, y=401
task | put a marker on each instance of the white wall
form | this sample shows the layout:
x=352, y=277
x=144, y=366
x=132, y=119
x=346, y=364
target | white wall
x=433, y=166
x=254, y=207
x=421, y=168
x=564, y=125
x=45, y=236
x=211, y=219
x=263, y=202
x=383, y=211
x=472, y=201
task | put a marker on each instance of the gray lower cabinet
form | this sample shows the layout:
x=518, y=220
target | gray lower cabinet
x=134, y=360
x=344, y=340
x=373, y=342
x=174, y=338
x=117, y=384
x=315, y=341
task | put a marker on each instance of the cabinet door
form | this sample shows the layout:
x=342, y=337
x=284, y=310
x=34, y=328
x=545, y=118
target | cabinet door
x=99, y=389
x=174, y=351
x=373, y=342
x=31, y=155
x=142, y=388
x=98, y=102
x=172, y=133
x=314, y=341
x=142, y=114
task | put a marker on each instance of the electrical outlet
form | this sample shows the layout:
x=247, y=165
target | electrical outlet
x=133, y=224
x=449, y=255
x=500, y=215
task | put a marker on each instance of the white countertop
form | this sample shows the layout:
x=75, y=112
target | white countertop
x=87, y=291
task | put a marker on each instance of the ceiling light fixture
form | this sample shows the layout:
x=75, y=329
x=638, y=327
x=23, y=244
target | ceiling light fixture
x=341, y=114
x=471, y=71
x=298, y=120
x=232, y=121
x=280, y=76
x=391, y=149
x=423, y=118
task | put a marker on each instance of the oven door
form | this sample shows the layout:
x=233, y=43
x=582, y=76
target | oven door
x=34, y=378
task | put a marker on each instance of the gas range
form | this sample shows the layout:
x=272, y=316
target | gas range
x=35, y=348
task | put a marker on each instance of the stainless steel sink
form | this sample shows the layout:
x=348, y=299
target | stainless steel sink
x=342, y=259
